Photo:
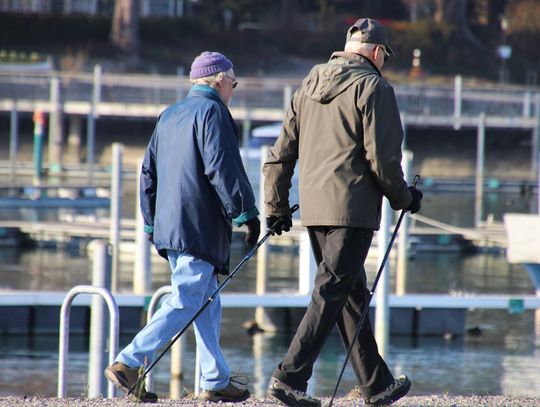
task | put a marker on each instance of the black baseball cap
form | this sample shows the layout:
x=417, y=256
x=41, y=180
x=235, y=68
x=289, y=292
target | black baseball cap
x=372, y=31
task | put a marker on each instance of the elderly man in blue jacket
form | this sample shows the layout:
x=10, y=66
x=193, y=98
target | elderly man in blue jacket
x=193, y=185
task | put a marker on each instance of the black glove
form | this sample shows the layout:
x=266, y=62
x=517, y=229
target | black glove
x=279, y=224
x=254, y=230
x=150, y=237
x=417, y=195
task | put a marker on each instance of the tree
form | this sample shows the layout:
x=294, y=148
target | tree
x=125, y=26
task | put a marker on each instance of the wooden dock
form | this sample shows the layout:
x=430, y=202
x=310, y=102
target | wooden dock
x=426, y=234
x=38, y=312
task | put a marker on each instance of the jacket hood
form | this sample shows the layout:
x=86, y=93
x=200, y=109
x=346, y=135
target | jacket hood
x=326, y=81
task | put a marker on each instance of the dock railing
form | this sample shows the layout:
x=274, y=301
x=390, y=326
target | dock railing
x=64, y=332
x=98, y=93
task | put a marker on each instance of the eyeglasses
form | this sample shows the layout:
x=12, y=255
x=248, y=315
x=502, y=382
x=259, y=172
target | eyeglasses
x=386, y=54
x=234, y=81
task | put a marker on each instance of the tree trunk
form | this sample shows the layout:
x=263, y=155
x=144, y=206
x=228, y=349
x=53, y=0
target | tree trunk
x=455, y=13
x=125, y=26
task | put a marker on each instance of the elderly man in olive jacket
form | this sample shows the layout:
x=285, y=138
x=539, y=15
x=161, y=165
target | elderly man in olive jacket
x=343, y=127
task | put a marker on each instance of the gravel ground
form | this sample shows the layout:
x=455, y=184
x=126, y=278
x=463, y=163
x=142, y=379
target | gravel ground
x=412, y=401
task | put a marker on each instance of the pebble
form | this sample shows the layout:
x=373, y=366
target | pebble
x=410, y=401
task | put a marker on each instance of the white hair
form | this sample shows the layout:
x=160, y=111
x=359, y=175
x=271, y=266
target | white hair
x=213, y=79
x=357, y=47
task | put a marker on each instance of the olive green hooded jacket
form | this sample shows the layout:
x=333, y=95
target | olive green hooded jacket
x=343, y=127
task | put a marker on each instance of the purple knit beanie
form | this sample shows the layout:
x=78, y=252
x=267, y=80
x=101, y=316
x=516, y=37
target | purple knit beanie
x=209, y=63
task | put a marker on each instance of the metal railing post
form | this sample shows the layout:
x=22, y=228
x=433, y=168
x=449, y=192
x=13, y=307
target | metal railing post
x=307, y=266
x=142, y=272
x=458, y=95
x=177, y=349
x=64, y=332
x=55, y=127
x=180, y=89
x=152, y=308
x=13, y=140
x=262, y=253
x=197, y=384
x=96, y=91
x=246, y=130
x=101, y=277
x=403, y=237
x=116, y=211
x=535, y=142
x=538, y=183
x=480, y=164
x=527, y=98
x=382, y=309
x=90, y=144
x=287, y=96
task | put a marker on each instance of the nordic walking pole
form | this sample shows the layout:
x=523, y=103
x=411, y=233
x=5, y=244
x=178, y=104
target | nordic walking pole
x=366, y=309
x=270, y=232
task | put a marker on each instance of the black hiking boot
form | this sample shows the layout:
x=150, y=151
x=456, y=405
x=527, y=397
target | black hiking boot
x=394, y=392
x=289, y=396
x=124, y=377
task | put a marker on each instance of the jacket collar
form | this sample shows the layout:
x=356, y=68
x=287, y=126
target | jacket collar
x=205, y=91
x=351, y=56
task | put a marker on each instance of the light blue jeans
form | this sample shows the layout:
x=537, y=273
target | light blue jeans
x=193, y=281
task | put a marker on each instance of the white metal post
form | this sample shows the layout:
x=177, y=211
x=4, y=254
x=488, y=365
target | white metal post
x=480, y=163
x=96, y=91
x=64, y=333
x=458, y=87
x=262, y=252
x=13, y=140
x=152, y=308
x=116, y=211
x=74, y=138
x=90, y=143
x=197, y=389
x=382, y=313
x=308, y=266
x=175, y=388
x=287, y=96
x=246, y=130
x=403, y=238
x=535, y=142
x=527, y=97
x=55, y=127
x=538, y=183
x=101, y=277
x=142, y=272
x=180, y=89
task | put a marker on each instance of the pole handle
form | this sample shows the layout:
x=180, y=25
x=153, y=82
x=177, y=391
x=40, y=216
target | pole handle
x=293, y=209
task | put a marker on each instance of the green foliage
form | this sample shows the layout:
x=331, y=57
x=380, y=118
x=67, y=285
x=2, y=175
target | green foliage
x=432, y=38
x=305, y=28
x=45, y=30
x=524, y=16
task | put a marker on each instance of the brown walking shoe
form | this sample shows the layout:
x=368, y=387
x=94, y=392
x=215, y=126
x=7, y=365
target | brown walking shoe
x=235, y=391
x=124, y=377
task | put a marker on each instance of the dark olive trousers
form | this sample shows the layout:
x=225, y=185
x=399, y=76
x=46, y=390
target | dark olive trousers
x=339, y=296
